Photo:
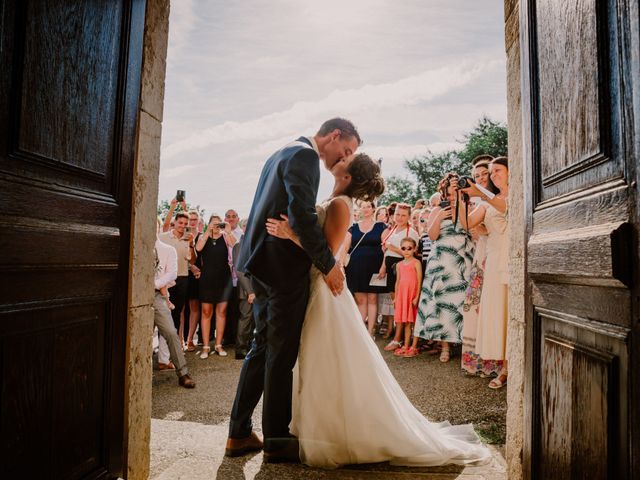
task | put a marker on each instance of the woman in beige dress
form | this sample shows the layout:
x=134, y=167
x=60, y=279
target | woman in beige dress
x=491, y=337
x=472, y=363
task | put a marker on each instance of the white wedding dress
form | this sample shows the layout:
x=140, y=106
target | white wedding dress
x=347, y=406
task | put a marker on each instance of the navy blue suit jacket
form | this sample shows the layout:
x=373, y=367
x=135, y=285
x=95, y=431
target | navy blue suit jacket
x=288, y=184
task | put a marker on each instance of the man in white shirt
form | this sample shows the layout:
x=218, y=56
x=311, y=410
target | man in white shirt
x=233, y=310
x=183, y=245
x=232, y=218
x=166, y=272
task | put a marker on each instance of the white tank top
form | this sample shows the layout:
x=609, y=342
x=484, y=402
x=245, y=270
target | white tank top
x=396, y=238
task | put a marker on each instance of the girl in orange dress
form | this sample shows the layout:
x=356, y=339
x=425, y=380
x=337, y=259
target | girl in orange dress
x=408, y=275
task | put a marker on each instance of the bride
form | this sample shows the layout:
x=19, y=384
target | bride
x=340, y=369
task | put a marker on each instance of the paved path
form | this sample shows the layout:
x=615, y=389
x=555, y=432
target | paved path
x=189, y=427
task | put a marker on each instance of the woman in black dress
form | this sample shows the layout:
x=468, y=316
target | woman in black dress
x=213, y=248
x=365, y=258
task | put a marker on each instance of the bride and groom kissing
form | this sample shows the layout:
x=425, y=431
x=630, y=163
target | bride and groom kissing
x=329, y=398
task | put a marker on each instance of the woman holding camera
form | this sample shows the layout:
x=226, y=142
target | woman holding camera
x=215, y=280
x=472, y=363
x=491, y=339
x=445, y=281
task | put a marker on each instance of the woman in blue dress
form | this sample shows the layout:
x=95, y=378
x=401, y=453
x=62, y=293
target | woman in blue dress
x=365, y=250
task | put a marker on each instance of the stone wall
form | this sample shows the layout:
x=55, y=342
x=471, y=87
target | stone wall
x=145, y=199
x=517, y=243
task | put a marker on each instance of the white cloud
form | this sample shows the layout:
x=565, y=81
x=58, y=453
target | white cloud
x=404, y=92
x=244, y=78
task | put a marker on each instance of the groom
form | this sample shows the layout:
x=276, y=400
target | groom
x=279, y=272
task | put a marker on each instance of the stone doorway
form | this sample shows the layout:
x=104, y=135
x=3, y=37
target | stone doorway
x=145, y=198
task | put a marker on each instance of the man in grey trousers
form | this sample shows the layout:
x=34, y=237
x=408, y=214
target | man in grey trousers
x=166, y=271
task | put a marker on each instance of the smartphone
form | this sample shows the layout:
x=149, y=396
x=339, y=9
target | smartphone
x=180, y=194
x=187, y=232
x=444, y=204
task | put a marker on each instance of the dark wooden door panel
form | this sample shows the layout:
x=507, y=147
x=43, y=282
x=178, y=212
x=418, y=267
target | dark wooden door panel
x=582, y=237
x=69, y=99
x=58, y=399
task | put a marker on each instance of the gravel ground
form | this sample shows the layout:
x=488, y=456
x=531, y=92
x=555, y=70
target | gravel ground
x=440, y=391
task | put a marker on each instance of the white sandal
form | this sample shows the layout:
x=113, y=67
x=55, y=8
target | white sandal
x=496, y=383
x=392, y=345
x=221, y=351
x=205, y=352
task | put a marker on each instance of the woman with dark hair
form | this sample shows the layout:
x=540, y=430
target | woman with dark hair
x=341, y=383
x=364, y=240
x=215, y=280
x=491, y=339
x=382, y=214
x=445, y=281
x=472, y=363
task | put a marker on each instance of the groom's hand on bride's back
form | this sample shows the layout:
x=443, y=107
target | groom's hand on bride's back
x=335, y=279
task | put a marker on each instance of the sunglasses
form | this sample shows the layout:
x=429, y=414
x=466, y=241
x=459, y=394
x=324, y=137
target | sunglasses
x=404, y=249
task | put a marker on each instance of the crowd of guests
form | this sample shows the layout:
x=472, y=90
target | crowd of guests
x=206, y=298
x=432, y=275
x=435, y=274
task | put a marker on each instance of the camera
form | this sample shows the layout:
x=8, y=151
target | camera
x=180, y=195
x=464, y=182
x=221, y=225
x=444, y=204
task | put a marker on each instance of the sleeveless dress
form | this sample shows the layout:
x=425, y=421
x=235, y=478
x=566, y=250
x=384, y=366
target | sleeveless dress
x=491, y=339
x=339, y=370
x=407, y=290
x=365, y=259
x=215, y=280
x=444, y=286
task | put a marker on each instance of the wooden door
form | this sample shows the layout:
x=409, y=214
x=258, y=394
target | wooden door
x=69, y=95
x=580, y=117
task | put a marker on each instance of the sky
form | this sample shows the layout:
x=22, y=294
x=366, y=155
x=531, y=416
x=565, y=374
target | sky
x=246, y=77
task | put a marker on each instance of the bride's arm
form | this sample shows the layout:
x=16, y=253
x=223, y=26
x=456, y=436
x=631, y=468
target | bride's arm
x=282, y=229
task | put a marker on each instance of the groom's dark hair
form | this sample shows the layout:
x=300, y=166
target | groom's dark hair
x=347, y=128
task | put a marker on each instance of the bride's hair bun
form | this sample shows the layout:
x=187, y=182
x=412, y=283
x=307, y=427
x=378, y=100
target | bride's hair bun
x=366, y=181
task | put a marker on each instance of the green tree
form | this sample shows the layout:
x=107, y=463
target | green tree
x=398, y=190
x=487, y=137
x=163, y=208
x=425, y=171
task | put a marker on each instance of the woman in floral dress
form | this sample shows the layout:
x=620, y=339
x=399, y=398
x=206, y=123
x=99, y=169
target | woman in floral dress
x=445, y=282
x=472, y=363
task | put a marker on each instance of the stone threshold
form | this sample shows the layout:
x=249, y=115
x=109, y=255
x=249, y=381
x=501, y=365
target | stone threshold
x=193, y=451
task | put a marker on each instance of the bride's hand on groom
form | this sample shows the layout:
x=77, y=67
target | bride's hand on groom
x=279, y=228
x=335, y=279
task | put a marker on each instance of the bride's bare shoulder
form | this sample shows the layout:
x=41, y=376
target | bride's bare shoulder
x=340, y=206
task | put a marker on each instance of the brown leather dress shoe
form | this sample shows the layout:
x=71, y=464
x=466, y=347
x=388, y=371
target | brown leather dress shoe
x=239, y=446
x=186, y=382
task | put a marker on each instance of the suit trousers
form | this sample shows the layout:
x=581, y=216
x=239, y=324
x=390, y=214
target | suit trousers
x=162, y=319
x=268, y=367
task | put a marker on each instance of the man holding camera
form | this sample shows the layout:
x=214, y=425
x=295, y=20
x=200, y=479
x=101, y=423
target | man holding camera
x=182, y=241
